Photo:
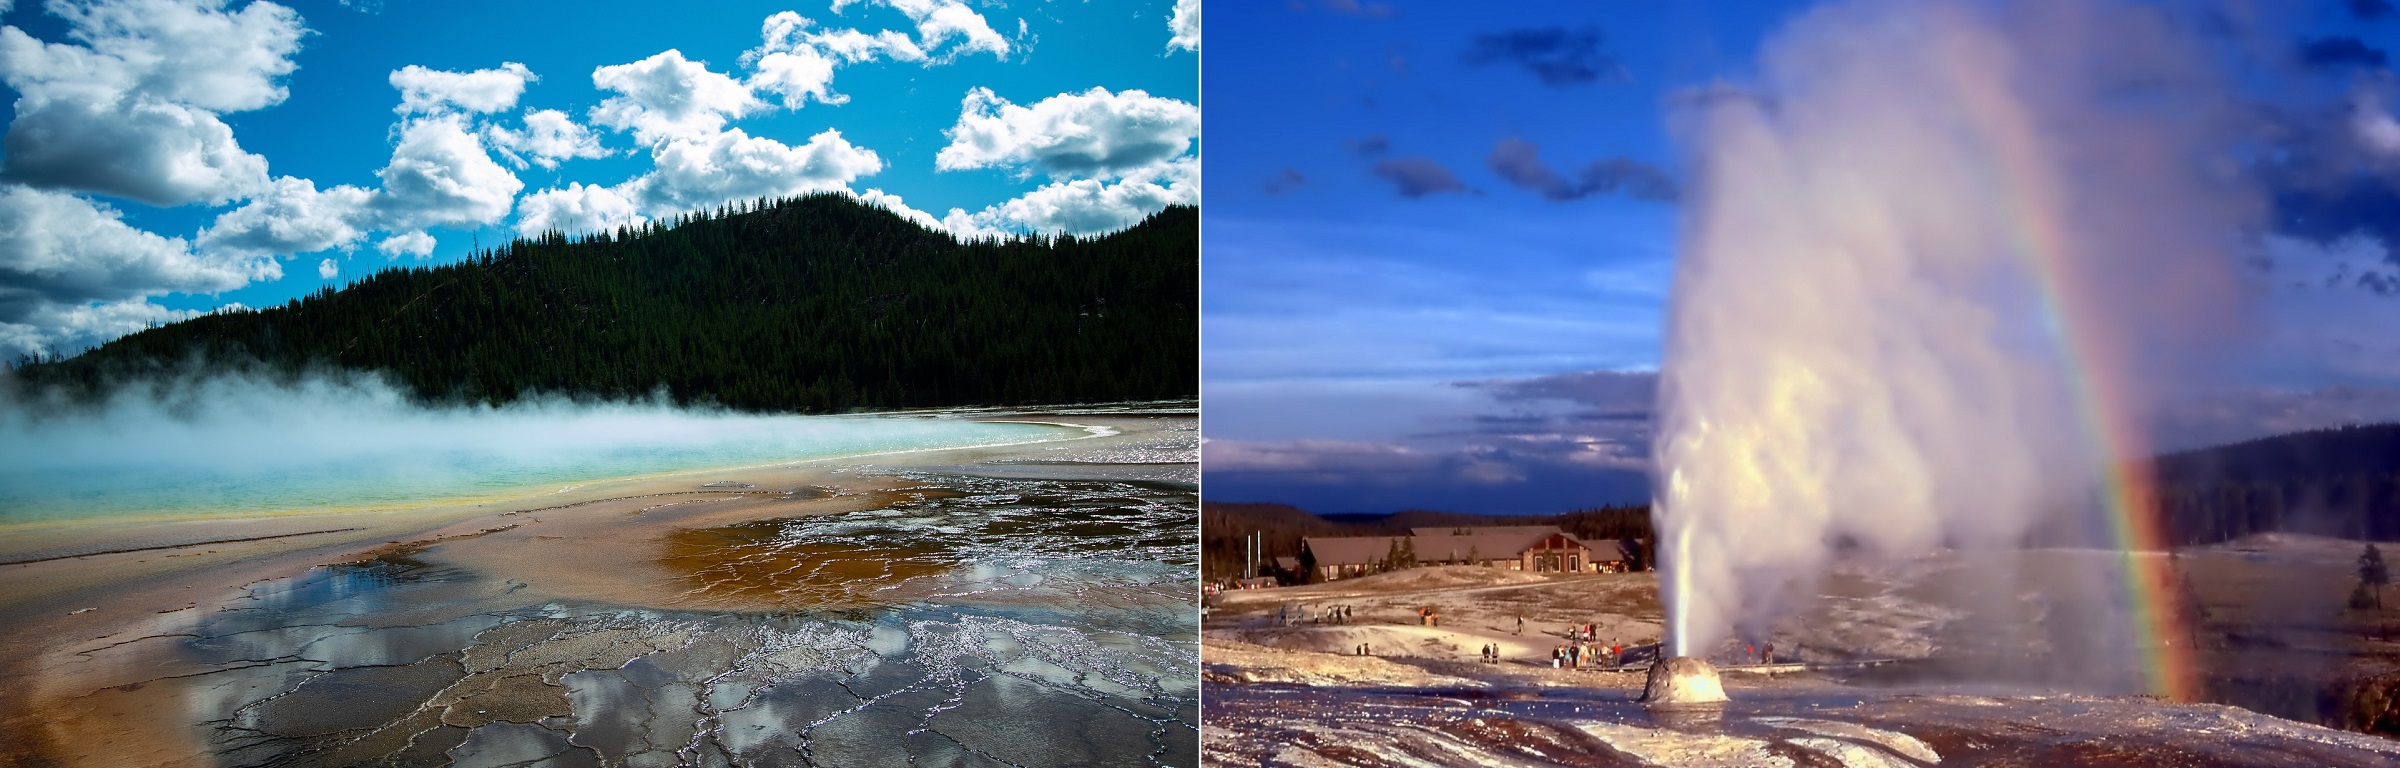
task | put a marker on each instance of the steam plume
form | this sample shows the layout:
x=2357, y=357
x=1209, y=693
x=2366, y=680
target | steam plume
x=1912, y=252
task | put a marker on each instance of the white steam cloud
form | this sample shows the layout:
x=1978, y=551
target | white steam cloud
x=229, y=444
x=1911, y=248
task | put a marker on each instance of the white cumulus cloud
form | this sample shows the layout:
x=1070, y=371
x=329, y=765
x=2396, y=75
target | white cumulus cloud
x=1091, y=206
x=734, y=165
x=1185, y=25
x=484, y=90
x=64, y=249
x=799, y=76
x=577, y=209
x=549, y=136
x=149, y=151
x=68, y=328
x=61, y=254
x=411, y=243
x=1091, y=134
x=796, y=60
x=328, y=270
x=441, y=175
x=292, y=216
x=893, y=203
x=941, y=23
x=133, y=111
x=669, y=97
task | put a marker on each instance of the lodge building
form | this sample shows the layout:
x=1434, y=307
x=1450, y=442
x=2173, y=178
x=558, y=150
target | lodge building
x=1536, y=548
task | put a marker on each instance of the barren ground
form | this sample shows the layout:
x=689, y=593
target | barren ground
x=1982, y=658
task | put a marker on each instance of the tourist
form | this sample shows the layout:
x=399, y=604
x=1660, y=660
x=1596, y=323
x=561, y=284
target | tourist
x=1520, y=625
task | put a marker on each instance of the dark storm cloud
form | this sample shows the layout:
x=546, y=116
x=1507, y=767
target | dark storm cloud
x=2328, y=211
x=1339, y=477
x=2339, y=52
x=1416, y=177
x=1285, y=181
x=2369, y=10
x=1519, y=162
x=1612, y=390
x=2329, y=172
x=1545, y=444
x=1371, y=10
x=1560, y=56
x=1604, y=411
x=1371, y=145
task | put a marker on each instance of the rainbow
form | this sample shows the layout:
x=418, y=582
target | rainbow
x=2034, y=202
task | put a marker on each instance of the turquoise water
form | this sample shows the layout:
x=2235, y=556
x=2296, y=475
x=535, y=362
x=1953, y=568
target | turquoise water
x=261, y=450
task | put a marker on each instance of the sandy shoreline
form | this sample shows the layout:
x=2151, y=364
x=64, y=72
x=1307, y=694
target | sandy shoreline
x=72, y=617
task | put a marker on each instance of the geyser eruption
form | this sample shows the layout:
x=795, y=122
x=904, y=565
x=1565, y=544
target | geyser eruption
x=1682, y=681
x=1930, y=259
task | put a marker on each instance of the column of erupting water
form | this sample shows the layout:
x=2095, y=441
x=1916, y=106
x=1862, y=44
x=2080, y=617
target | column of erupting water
x=1881, y=331
x=1681, y=586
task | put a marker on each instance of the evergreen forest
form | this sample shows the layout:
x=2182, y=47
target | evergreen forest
x=811, y=304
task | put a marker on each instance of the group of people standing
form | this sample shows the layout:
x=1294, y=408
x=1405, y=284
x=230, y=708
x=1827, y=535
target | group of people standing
x=1289, y=614
x=1762, y=653
x=1575, y=655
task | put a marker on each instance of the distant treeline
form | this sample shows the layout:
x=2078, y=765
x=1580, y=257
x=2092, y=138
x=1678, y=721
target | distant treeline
x=2341, y=482
x=1223, y=526
x=813, y=304
x=2336, y=482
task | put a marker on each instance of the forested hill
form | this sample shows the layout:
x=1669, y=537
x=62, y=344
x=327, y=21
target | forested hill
x=2339, y=482
x=815, y=304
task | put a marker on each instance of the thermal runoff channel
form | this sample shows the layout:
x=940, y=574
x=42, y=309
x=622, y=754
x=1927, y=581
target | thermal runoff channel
x=1933, y=265
x=241, y=445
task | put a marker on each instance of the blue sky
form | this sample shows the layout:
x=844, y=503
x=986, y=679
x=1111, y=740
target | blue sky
x=170, y=156
x=1440, y=237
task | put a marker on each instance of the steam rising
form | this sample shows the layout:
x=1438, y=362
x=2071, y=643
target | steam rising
x=234, y=444
x=1864, y=345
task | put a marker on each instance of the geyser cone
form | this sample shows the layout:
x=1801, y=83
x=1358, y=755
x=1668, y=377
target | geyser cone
x=1682, y=680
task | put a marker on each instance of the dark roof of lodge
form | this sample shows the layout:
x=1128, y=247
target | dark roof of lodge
x=1499, y=542
x=1348, y=550
x=1445, y=530
x=1608, y=551
x=1479, y=546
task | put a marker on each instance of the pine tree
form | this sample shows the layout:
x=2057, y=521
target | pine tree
x=2372, y=576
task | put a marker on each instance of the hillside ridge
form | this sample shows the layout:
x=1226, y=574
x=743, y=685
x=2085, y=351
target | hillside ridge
x=818, y=303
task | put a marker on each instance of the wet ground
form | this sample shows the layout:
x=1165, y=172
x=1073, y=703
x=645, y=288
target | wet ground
x=390, y=663
x=936, y=617
x=1282, y=725
x=1981, y=658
